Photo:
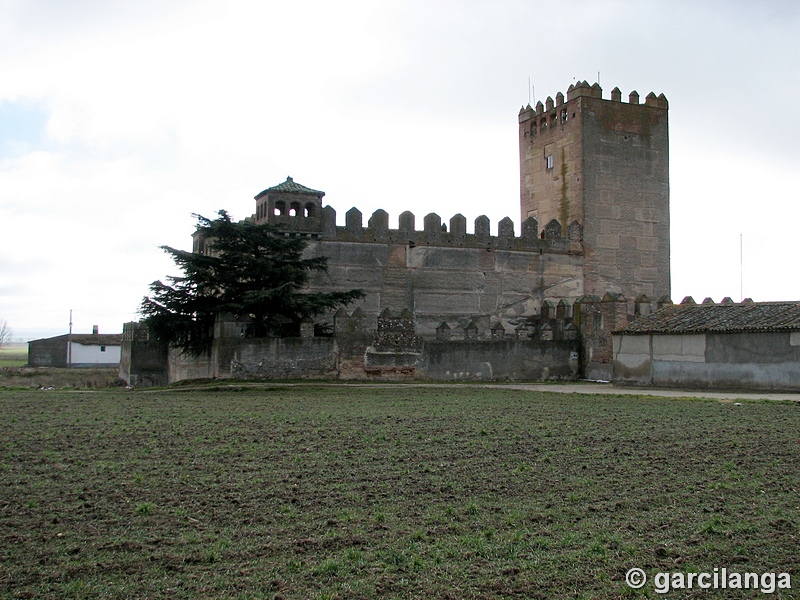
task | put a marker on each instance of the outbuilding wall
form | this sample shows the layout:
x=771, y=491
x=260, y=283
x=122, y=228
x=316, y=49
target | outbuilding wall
x=94, y=355
x=49, y=352
x=752, y=360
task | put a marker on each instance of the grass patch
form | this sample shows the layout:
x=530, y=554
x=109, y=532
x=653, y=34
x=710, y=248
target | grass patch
x=404, y=492
x=54, y=377
x=14, y=355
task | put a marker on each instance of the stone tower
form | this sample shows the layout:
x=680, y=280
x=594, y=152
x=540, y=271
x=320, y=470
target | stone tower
x=604, y=163
x=292, y=206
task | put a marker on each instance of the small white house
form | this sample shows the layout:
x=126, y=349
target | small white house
x=76, y=350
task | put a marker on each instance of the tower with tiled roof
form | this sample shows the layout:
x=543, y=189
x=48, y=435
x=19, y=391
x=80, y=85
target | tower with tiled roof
x=292, y=206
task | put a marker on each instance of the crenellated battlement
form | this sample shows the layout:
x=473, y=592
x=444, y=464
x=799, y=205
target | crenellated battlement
x=556, y=109
x=551, y=238
x=297, y=210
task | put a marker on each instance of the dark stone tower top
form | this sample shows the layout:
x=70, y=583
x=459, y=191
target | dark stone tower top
x=292, y=206
x=603, y=163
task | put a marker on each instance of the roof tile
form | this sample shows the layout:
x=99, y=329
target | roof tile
x=718, y=318
x=291, y=187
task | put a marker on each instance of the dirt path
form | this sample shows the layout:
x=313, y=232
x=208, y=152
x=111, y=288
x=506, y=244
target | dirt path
x=608, y=388
x=577, y=387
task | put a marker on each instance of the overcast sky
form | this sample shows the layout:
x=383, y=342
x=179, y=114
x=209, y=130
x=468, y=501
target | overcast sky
x=118, y=120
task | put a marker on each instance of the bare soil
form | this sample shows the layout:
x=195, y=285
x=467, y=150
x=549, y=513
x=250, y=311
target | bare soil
x=388, y=492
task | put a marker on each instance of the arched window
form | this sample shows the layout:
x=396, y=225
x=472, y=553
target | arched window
x=294, y=209
x=280, y=208
x=310, y=210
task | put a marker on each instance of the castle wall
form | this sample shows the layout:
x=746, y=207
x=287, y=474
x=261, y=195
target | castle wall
x=544, y=348
x=182, y=366
x=596, y=318
x=450, y=275
x=143, y=361
x=497, y=360
x=276, y=358
x=334, y=358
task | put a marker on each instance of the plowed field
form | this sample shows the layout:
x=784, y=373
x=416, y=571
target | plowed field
x=389, y=492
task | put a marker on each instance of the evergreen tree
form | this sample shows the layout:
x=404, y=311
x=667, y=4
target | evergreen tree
x=250, y=271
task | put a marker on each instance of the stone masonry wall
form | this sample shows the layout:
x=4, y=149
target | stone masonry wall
x=626, y=199
x=143, y=361
x=449, y=275
x=551, y=190
x=604, y=163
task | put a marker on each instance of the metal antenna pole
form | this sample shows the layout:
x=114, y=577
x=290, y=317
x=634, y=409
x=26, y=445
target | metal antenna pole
x=741, y=269
x=69, y=341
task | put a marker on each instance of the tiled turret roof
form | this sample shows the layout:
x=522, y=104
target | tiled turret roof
x=291, y=187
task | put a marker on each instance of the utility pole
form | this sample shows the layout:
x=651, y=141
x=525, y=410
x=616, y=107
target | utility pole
x=69, y=341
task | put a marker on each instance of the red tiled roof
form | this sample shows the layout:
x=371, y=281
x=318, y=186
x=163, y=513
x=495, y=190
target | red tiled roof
x=291, y=187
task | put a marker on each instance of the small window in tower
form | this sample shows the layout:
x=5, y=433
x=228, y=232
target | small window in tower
x=294, y=209
x=533, y=130
x=544, y=124
x=280, y=208
x=549, y=162
x=564, y=116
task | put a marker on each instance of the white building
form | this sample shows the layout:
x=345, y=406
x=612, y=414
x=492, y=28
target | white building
x=76, y=350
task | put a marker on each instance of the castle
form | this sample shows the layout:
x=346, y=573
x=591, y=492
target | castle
x=445, y=303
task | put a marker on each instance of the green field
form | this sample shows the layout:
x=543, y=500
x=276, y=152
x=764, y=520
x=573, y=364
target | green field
x=389, y=492
x=15, y=355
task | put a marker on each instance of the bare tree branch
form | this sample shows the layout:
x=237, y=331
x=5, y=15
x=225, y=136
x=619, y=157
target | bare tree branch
x=5, y=334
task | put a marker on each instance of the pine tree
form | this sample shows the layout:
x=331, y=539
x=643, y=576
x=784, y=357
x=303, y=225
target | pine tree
x=250, y=272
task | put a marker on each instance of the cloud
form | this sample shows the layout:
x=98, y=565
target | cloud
x=130, y=117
